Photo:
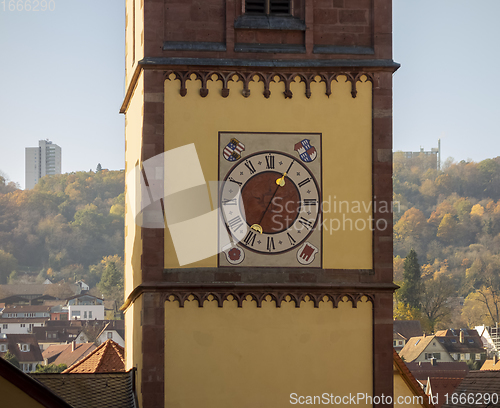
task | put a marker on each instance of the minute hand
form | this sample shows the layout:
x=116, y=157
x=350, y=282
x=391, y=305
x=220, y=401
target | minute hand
x=271, y=200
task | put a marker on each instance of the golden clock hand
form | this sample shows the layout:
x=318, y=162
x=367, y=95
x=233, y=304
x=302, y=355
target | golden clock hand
x=257, y=227
x=281, y=181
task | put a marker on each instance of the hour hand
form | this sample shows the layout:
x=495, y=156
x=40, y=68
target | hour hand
x=281, y=181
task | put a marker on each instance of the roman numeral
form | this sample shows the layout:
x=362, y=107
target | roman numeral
x=250, y=167
x=235, y=223
x=270, y=244
x=270, y=162
x=229, y=201
x=304, y=182
x=307, y=202
x=290, y=238
x=250, y=238
x=234, y=181
x=306, y=223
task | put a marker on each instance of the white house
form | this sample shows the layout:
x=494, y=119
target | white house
x=83, y=286
x=85, y=307
x=110, y=332
x=21, y=326
x=86, y=312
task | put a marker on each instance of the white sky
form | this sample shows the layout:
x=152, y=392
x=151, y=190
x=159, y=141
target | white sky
x=62, y=78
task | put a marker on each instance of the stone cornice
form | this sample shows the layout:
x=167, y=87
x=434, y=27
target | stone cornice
x=267, y=71
x=259, y=292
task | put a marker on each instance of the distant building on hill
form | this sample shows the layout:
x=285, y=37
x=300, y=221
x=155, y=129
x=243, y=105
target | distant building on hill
x=41, y=161
x=428, y=159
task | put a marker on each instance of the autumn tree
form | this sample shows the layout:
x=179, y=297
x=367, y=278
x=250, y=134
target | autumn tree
x=448, y=228
x=11, y=358
x=405, y=312
x=434, y=299
x=8, y=264
x=484, y=277
x=475, y=312
x=111, y=284
x=398, y=267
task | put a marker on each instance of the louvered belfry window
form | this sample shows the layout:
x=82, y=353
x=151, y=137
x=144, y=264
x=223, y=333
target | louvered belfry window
x=264, y=7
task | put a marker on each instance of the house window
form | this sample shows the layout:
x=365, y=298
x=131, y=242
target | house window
x=467, y=356
x=394, y=343
x=478, y=356
x=23, y=325
x=5, y=326
x=24, y=347
x=85, y=314
x=437, y=356
x=90, y=314
x=462, y=356
x=3, y=347
x=110, y=335
x=455, y=356
x=75, y=313
x=264, y=7
x=400, y=342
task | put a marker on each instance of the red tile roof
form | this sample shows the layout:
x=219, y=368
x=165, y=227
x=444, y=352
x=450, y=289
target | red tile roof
x=423, y=370
x=107, y=358
x=410, y=380
x=57, y=354
x=441, y=387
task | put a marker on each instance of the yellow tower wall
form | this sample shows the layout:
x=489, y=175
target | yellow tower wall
x=346, y=127
x=13, y=396
x=265, y=357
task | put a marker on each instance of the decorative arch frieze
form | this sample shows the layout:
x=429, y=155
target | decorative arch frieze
x=267, y=77
x=260, y=297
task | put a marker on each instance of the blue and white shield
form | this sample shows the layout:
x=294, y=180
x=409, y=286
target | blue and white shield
x=233, y=149
x=307, y=153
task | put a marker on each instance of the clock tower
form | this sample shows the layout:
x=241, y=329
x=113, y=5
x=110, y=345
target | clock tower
x=258, y=237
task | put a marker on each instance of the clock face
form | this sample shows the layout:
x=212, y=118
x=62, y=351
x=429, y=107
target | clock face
x=270, y=200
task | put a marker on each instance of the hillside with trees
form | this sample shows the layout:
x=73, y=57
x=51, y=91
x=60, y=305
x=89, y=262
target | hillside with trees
x=69, y=227
x=451, y=220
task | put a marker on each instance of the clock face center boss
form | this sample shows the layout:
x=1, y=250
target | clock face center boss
x=270, y=199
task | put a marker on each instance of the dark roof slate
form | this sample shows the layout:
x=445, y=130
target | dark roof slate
x=100, y=390
x=33, y=355
x=408, y=328
x=478, y=383
x=423, y=370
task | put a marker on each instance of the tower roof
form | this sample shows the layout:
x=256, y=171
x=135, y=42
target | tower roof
x=107, y=358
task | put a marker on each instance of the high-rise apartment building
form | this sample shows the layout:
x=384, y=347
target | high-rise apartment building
x=41, y=161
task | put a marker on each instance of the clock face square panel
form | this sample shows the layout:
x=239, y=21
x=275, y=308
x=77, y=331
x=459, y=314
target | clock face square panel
x=270, y=199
